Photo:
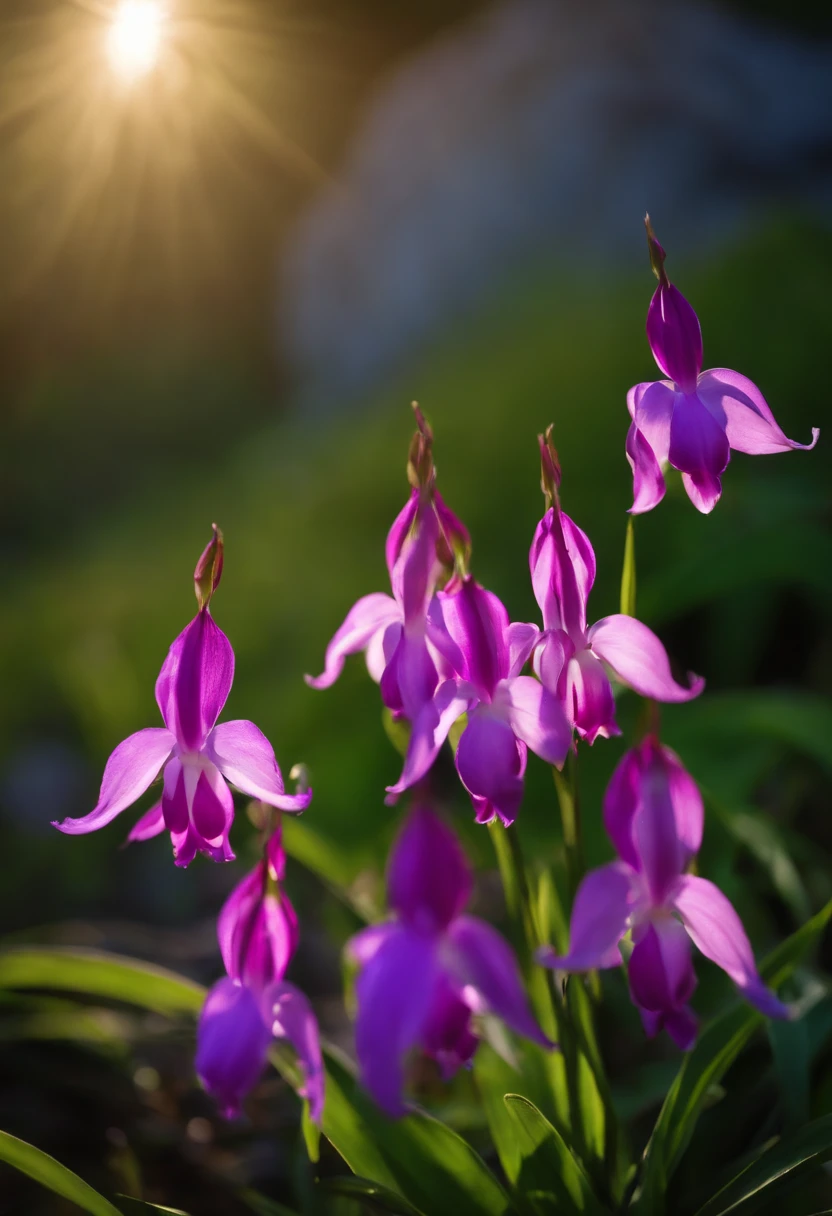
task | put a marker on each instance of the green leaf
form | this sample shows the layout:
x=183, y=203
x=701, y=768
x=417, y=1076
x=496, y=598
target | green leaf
x=494, y=1077
x=764, y=841
x=311, y=1134
x=417, y=1156
x=263, y=1206
x=628, y=572
x=370, y=1193
x=717, y=1048
x=140, y=1207
x=95, y=973
x=54, y=1176
x=776, y=1170
x=548, y=1165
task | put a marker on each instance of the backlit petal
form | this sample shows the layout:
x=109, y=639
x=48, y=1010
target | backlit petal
x=599, y=920
x=195, y=681
x=369, y=616
x=699, y=449
x=482, y=963
x=743, y=412
x=428, y=877
x=430, y=730
x=244, y=756
x=290, y=1016
x=536, y=716
x=131, y=769
x=715, y=928
x=491, y=763
x=639, y=659
x=232, y=1044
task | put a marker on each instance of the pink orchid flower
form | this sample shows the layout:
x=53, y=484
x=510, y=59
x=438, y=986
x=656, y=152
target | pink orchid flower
x=196, y=757
x=693, y=419
x=253, y=1004
x=429, y=969
x=654, y=816
x=507, y=712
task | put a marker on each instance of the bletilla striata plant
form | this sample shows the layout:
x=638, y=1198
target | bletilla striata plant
x=433, y=982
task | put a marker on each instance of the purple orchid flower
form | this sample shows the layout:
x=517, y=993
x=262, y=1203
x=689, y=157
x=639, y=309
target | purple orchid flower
x=253, y=1004
x=429, y=969
x=693, y=419
x=654, y=816
x=507, y=712
x=567, y=656
x=392, y=631
x=196, y=756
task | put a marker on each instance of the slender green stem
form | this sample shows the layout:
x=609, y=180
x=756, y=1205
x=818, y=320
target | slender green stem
x=628, y=571
x=566, y=787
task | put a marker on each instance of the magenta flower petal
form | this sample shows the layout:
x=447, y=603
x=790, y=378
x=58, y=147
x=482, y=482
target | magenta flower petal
x=522, y=639
x=244, y=756
x=289, y=1015
x=491, y=762
x=477, y=625
x=195, y=681
x=651, y=409
x=482, y=963
x=621, y=800
x=430, y=730
x=363, y=946
x=257, y=931
x=675, y=336
x=428, y=878
x=366, y=619
x=648, y=479
x=410, y=677
x=151, y=824
x=653, y=813
x=699, y=449
x=638, y=658
x=213, y=807
x=589, y=700
x=174, y=798
x=717, y=931
x=551, y=659
x=417, y=567
x=562, y=564
x=743, y=413
x=599, y=920
x=536, y=717
x=394, y=993
x=447, y=1036
x=399, y=530
x=232, y=1044
x=131, y=769
x=660, y=970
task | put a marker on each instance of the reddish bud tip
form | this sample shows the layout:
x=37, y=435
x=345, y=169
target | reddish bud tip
x=420, y=470
x=208, y=570
x=657, y=254
x=549, y=466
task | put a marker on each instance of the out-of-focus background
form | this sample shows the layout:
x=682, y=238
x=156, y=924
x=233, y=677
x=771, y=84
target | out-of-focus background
x=237, y=239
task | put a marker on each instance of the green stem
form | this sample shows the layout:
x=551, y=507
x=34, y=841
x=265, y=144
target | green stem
x=566, y=787
x=628, y=571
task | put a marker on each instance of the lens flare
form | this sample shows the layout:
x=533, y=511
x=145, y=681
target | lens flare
x=134, y=38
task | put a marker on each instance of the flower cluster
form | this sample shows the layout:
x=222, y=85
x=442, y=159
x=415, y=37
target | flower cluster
x=451, y=665
x=253, y=1004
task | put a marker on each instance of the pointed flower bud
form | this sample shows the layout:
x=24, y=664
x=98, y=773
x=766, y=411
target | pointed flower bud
x=420, y=470
x=208, y=570
x=549, y=467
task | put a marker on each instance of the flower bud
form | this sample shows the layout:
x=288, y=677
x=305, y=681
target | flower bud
x=208, y=570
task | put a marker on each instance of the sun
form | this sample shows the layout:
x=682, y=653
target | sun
x=135, y=36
